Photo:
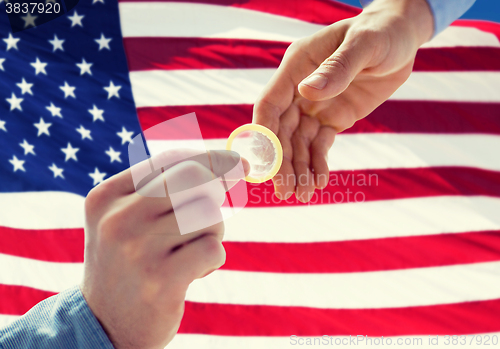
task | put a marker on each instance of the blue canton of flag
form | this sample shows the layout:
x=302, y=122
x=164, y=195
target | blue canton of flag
x=66, y=107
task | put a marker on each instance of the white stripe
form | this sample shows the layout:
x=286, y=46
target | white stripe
x=47, y=276
x=157, y=19
x=381, y=289
x=390, y=150
x=354, y=221
x=375, y=151
x=197, y=87
x=182, y=341
x=463, y=36
x=7, y=319
x=41, y=210
x=153, y=88
x=160, y=19
x=364, y=220
x=451, y=86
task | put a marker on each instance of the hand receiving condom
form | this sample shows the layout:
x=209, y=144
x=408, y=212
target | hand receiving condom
x=328, y=81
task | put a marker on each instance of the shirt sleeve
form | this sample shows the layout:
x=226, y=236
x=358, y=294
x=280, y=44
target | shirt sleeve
x=63, y=321
x=444, y=11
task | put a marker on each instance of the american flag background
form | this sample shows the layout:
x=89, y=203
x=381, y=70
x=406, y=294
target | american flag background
x=404, y=241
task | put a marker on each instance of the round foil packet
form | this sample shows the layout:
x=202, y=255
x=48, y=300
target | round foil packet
x=260, y=147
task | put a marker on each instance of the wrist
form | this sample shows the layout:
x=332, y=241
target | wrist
x=416, y=14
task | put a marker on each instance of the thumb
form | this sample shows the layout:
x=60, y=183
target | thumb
x=336, y=72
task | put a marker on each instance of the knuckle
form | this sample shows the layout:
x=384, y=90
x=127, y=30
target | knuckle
x=171, y=157
x=97, y=197
x=92, y=200
x=195, y=173
x=294, y=47
x=345, y=123
x=348, y=123
x=212, y=251
x=338, y=62
x=113, y=225
x=367, y=35
x=209, y=211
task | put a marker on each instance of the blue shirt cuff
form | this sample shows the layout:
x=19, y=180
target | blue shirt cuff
x=62, y=321
x=444, y=11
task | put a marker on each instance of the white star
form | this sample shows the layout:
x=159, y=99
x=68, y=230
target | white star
x=70, y=152
x=28, y=148
x=103, y=42
x=93, y=2
x=2, y=125
x=97, y=176
x=84, y=67
x=76, y=19
x=125, y=135
x=29, y=20
x=43, y=128
x=57, y=44
x=18, y=164
x=39, y=67
x=84, y=132
x=11, y=42
x=58, y=172
x=68, y=90
x=15, y=103
x=112, y=89
x=55, y=111
x=1, y=63
x=96, y=113
x=113, y=155
x=25, y=87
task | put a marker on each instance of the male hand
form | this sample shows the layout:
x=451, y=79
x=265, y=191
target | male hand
x=137, y=264
x=328, y=81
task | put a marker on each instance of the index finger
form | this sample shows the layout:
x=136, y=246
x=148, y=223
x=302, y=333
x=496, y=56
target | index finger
x=279, y=92
x=220, y=162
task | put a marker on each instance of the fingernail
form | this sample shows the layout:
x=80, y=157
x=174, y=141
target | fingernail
x=246, y=166
x=278, y=194
x=317, y=81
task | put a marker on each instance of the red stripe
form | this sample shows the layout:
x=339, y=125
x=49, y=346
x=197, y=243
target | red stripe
x=387, y=254
x=387, y=184
x=205, y=53
x=314, y=11
x=458, y=59
x=431, y=117
x=352, y=256
x=260, y=320
x=56, y=245
x=326, y=257
x=17, y=300
x=218, y=121
x=199, y=53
